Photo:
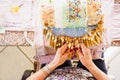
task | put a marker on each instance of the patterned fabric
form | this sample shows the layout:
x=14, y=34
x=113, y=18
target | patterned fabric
x=73, y=13
x=15, y=38
x=70, y=73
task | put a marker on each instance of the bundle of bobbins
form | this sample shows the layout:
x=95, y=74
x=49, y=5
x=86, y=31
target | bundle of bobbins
x=93, y=38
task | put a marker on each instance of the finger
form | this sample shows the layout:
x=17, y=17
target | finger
x=65, y=56
x=83, y=48
x=58, y=51
x=64, y=48
x=80, y=54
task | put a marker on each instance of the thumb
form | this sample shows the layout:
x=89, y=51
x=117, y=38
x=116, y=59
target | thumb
x=83, y=48
x=79, y=53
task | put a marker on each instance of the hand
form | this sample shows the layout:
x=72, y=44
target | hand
x=61, y=55
x=86, y=59
x=84, y=55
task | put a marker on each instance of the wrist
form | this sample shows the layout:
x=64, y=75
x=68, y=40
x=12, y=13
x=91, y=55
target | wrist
x=46, y=69
x=90, y=66
x=52, y=66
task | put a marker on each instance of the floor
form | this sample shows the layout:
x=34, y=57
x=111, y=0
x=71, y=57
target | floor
x=13, y=62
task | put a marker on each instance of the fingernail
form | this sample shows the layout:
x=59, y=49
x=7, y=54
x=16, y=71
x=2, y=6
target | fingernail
x=71, y=50
x=76, y=49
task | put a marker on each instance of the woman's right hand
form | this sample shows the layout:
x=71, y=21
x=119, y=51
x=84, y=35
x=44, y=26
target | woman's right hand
x=61, y=56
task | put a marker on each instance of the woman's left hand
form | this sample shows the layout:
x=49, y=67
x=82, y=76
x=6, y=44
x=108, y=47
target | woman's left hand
x=85, y=55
